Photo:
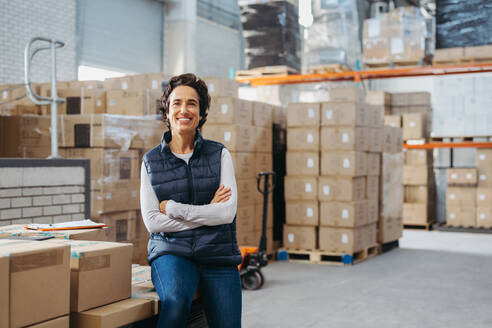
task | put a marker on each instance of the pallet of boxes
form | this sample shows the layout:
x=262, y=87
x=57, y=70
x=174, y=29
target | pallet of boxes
x=484, y=190
x=245, y=128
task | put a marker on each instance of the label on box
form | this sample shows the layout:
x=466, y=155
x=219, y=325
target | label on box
x=326, y=190
x=482, y=157
x=329, y=114
x=309, y=212
x=99, y=103
x=374, y=28
x=345, y=137
x=308, y=188
x=454, y=176
x=124, y=85
x=345, y=238
x=224, y=108
x=482, y=216
x=134, y=194
x=397, y=46
x=310, y=138
x=482, y=197
x=469, y=176
x=452, y=196
x=346, y=163
x=345, y=214
x=483, y=177
x=311, y=113
x=112, y=102
x=310, y=162
x=5, y=94
x=211, y=87
x=452, y=216
x=227, y=136
x=154, y=84
x=412, y=124
x=290, y=237
x=108, y=195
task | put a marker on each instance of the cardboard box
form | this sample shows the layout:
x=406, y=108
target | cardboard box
x=344, y=138
x=230, y=110
x=353, y=94
x=246, y=192
x=219, y=86
x=303, y=139
x=391, y=186
x=258, y=217
x=448, y=54
x=341, y=188
x=414, y=126
x=5, y=287
x=138, y=82
x=460, y=176
x=100, y=234
x=245, y=219
x=115, y=197
x=303, y=115
x=62, y=322
x=264, y=140
x=302, y=163
x=484, y=197
x=242, y=164
x=373, y=164
x=347, y=163
x=484, y=158
x=375, y=115
x=484, y=217
x=301, y=188
x=414, y=175
x=343, y=113
x=415, y=213
x=263, y=163
x=114, y=315
x=407, y=48
x=417, y=157
x=461, y=216
x=21, y=131
x=235, y=137
x=347, y=240
x=80, y=100
x=416, y=194
x=378, y=98
x=343, y=214
x=302, y=213
x=461, y=196
x=483, y=52
x=376, y=50
x=122, y=226
x=375, y=140
x=485, y=177
x=393, y=139
x=372, y=187
x=299, y=237
x=411, y=99
x=138, y=103
x=389, y=230
x=262, y=114
x=247, y=239
x=393, y=120
x=35, y=267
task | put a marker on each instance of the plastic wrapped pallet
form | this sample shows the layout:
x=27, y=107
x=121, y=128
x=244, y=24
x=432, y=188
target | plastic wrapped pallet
x=271, y=31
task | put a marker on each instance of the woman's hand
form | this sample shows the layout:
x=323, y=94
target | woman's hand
x=162, y=206
x=221, y=195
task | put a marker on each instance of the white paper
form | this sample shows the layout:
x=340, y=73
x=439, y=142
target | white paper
x=308, y=188
x=326, y=190
x=345, y=238
x=310, y=162
x=311, y=113
x=374, y=28
x=345, y=137
x=310, y=138
x=124, y=85
x=227, y=136
x=329, y=114
x=345, y=214
x=108, y=195
x=482, y=216
x=309, y=212
x=290, y=236
x=397, y=45
x=346, y=163
x=70, y=224
x=224, y=108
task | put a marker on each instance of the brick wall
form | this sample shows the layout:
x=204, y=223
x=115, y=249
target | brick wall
x=20, y=20
x=43, y=191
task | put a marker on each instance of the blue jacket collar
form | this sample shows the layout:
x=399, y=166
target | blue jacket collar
x=167, y=137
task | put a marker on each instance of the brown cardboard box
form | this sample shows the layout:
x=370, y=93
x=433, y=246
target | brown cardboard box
x=20, y=131
x=5, y=288
x=303, y=139
x=484, y=158
x=62, y=322
x=341, y=188
x=132, y=102
x=114, y=315
x=415, y=175
x=262, y=114
x=258, y=217
x=485, y=177
x=393, y=139
x=378, y=98
x=347, y=240
x=483, y=52
x=411, y=99
x=373, y=164
x=301, y=188
x=344, y=138
x=461, y=196
x=242, y=164
x=263, y=163
x=376, y=50
x=81, y=100
x=302, y=213
x=375, y=115
x=235, y=137
x=300, y=237
x=414, y=126
x=246, y=192
x=122, y=226
x=375, y=139
x=348, y=163
x=415, y=213
x=448, y=54
x=230, y=110
x=416, y=194
x=417, y=157
x=100, y=234
x=302, y=163
x=389, y=230
x=151, y=81
x=372, y=187
x=343, y=113
x=459, y=176
x=36, y=267
x=343, y=214
x=391, y=186
x=407, y=48
x=247, y=239
x=219, y=86
x=484, y=197
x=245, y=219
x=264, y=140
x=347, y=94
x=484, y=217
x=303, y=114
x=461, y=216
x=393, y=120
x=372, y=210
x=115, y=197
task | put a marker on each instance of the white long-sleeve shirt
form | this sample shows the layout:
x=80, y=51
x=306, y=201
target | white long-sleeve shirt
x=180, y=217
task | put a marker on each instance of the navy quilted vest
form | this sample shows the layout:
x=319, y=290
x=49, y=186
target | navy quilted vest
x=193, y=183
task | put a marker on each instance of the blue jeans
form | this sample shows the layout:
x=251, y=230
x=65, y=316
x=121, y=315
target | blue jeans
x=176, y=279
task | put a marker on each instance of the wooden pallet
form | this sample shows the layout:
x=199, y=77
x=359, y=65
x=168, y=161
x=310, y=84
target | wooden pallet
x=322, y=257
x=415, y=226
x=270, y=71
x=386, y=247
x=328, y=68
x=461, y=138
x=462, y=61
x=393, y=64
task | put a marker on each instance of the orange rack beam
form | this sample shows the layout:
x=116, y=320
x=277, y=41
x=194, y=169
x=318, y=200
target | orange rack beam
x=433, y=145
x=357, y=76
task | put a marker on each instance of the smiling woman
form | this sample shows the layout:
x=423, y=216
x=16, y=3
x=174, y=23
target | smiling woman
x=188, y=196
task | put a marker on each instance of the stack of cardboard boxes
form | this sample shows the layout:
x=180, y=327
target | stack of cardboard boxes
x=461, y=197
x=13, y=100
x=484, y=191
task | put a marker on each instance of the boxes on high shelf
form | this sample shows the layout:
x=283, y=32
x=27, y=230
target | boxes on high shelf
x=343, y=214
x=138, y=103
x=343, y=113
x=344, y=138
x=302, y=163
x=303, y=115
x=347, y=163
x=462, y=176
x=484, y=158
x=303, y=139
x=378, y=98
x=461, y=216
x=35, y=280
x=414, y=126
x=148, y=81
x=219, y=86
x=376, y=50
x=230, y=110
x=347, y=240
x=339, y=188
x=302, y=213
x=353, y=94
x=417, y=157
x=393, y=139
x=411, y=99
x=235, y=137
x=300, y=237
x=301, y=188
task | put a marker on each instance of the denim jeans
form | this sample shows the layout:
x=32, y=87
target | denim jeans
x=176, y=278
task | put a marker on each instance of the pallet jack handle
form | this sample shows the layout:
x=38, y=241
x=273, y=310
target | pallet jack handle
x=53, y=100
x=267, y=189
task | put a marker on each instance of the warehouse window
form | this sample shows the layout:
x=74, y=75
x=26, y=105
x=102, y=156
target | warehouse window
x=223, y=12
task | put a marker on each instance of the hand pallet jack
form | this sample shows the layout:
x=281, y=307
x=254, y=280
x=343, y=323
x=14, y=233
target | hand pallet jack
x=254, y=258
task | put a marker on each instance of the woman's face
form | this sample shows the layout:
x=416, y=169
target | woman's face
x=184, y=110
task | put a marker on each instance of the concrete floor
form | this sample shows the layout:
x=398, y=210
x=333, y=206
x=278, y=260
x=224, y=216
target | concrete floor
x=435, y=279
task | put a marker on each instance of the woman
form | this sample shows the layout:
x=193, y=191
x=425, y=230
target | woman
x=189, y=198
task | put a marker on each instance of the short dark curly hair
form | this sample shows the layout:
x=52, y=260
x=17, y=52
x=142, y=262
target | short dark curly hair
x=190, y=80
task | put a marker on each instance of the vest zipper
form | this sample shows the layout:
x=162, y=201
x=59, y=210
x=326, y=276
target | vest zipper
x=191, y=194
